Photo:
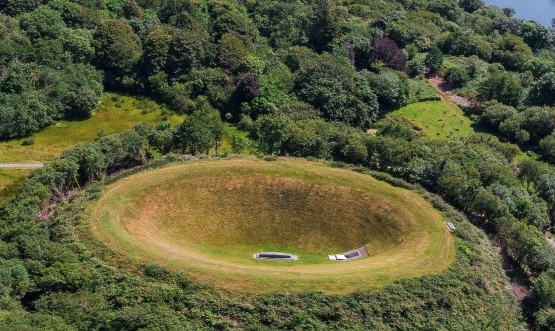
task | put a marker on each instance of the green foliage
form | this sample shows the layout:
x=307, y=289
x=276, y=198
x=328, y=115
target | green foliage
x=91, y=160
x=467, y=43
x=338, y=91
x=24, y=321
x=271, y=98
x=456, y=76
x=543, y=90
x=78, y=42
x=445, y=8
x=200, y=131
x=543, y=288
x=512, y=52
x=420, y=29
x=71, y=13
x=238, y=143
x=501, y=86
x=68, y=277
x=43, y=22
x=547, y=147
x=214, y=83
x=80, y=90
x=232, y=50
x=187, y=50
x=279, y=21
x=391, y=88
x=117, y=46
x=14, y=279
x=21, y=115
x=156, y=48
x=471, y=5
x=16, y=7
x=532, y=125
x=434, y=59
x=272, y=134
x=228, y=18
x=326, y=24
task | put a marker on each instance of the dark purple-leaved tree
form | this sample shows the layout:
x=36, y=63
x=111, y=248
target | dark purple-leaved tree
x=384, y=49
x=248, y=87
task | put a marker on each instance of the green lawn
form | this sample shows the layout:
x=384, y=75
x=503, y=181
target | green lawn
x=209, y=217
x=439, y=119
x=116, y=114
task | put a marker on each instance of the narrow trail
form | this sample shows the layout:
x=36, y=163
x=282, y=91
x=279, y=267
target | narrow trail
x=443, y=89
x=20, y=165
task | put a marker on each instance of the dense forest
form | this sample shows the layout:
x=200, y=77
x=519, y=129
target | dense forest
x=304, y=78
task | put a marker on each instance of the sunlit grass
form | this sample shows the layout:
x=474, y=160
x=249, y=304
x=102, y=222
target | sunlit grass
x=9, y=182
x=117, y=113
x=437, y=119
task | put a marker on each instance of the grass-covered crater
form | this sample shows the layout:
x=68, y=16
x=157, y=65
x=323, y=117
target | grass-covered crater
x=209, y=217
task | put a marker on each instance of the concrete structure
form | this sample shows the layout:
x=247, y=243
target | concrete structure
x=355, y=254
x=275, y=256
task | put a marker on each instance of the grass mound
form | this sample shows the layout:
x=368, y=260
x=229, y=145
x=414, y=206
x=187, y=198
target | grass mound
x=209, y=217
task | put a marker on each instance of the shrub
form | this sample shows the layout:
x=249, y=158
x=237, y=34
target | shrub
x=456, y=76
x=28, y=142
x=391, y=88
x=501, y=86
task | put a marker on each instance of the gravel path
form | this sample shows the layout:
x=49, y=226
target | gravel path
x=21, y=165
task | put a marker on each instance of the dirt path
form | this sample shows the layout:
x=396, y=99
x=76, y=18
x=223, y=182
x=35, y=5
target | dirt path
x=443, y=89
x=549, y=237
x=21, y=165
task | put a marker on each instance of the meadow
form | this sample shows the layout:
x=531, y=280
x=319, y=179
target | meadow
x=115, y=114
x=439, y=119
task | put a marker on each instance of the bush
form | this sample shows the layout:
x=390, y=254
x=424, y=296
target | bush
x=28, y=142
x=501, y=86
x=456, y=76
x=434, y=59
x=157, y=272
x=391, y=88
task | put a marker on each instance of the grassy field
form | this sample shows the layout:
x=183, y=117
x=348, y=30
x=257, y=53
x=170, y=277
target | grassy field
x=9, y=182
x=116, y=114
x=439, y=119
x=209, y=217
